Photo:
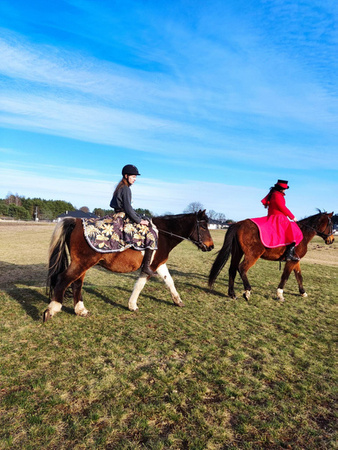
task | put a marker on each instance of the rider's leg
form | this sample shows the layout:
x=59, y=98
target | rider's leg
x=290, y=254
x=146, y=262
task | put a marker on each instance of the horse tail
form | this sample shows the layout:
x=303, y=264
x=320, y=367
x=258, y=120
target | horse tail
x=223, y=254
x=58, y=258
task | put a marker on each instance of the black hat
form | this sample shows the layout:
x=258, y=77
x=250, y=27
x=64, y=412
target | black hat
x=129, y=169
x=282, y=184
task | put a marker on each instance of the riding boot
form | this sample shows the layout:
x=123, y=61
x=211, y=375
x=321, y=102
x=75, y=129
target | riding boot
x=146, y=262
x=290, y=253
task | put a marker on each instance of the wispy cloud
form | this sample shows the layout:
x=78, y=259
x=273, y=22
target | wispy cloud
x=236, y=202
x=215, y=88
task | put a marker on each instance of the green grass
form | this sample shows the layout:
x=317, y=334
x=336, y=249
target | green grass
x=216, y=374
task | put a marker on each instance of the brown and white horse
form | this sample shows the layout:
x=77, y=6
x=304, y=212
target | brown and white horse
x=242, y=238
x=70, y=256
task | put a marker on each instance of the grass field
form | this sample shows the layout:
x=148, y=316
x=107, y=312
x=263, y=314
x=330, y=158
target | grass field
x=216, y=374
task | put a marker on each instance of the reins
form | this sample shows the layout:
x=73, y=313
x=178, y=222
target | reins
x=186, y=238
x=320, y=233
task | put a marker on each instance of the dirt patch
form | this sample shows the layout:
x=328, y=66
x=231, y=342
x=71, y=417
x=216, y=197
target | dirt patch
x=320, y=253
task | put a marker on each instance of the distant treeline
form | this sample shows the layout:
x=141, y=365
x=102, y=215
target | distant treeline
x=105, y=212
x=21, y=208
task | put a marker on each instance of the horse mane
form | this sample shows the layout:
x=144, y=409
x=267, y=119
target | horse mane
x=172, y=216
x=312, y=220
x=199, y=214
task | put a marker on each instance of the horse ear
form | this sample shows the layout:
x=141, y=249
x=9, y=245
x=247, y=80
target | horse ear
x=331, y=214
x=201, y=213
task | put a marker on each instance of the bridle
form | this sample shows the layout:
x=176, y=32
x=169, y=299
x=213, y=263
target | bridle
x=320, y=233
x=189, y=238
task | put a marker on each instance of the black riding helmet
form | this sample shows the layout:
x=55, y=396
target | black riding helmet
x=129, y=169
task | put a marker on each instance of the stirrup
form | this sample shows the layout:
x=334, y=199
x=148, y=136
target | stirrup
x=293, y=257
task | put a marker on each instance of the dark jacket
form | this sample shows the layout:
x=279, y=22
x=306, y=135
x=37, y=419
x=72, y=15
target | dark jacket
x=121, y=201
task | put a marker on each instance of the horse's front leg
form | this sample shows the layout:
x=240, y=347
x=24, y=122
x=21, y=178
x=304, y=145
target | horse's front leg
x=299, y=278
x=169, y=282
x=138, y=286
x=289, y=266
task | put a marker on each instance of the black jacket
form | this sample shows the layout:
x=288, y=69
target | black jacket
x=121, y=201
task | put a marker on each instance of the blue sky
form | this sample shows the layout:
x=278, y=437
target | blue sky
x=212, y=100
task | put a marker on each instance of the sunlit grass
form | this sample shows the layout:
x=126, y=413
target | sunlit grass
x=216, y=374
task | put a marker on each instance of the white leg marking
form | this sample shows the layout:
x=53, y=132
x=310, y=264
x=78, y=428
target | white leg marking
x=169, y=282
x=280, y=296
x=138, y=286
x=54, y=307
x=80, y=309
x=247, y=294
x=304, y=295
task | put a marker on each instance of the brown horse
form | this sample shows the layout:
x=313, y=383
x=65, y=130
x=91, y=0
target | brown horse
x=242, y=238
x=68, y=239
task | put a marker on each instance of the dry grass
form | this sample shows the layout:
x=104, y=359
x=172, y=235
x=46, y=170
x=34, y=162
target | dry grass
x=216, y=374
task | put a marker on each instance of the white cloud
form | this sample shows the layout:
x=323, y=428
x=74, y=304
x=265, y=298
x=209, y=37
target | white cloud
x=236, y=202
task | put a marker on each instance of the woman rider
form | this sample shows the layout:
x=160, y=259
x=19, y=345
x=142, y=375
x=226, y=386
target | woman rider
x=278, y=215
x=121, y=203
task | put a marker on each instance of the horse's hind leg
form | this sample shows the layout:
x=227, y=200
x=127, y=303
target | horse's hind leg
x=64, y=280
x=235, y=259
x=79, y=307
x=243, y=269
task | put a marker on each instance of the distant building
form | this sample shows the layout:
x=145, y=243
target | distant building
x=77, y=214
x=215, y=224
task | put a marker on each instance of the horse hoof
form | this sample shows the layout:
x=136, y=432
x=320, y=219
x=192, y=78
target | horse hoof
x=46, y=315
x=133, y=310
x=179, y=304
x=304, y=295
x=246, y=295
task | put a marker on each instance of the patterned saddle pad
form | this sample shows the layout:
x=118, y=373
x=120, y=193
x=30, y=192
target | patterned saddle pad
x=117, y=233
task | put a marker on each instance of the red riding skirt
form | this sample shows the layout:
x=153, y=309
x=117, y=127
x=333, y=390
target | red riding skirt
x=277, y=230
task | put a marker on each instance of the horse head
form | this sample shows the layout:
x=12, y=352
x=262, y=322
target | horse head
x=322, y=225
x=325, y=228
x=200, y=234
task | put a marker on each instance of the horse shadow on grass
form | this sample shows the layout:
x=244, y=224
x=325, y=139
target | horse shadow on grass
x=96, y=291
x=20, y=282
x=109, y=301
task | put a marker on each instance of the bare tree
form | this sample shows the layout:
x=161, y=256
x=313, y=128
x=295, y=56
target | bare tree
x=193, y=207
x=13, y=199
x=212, y=214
